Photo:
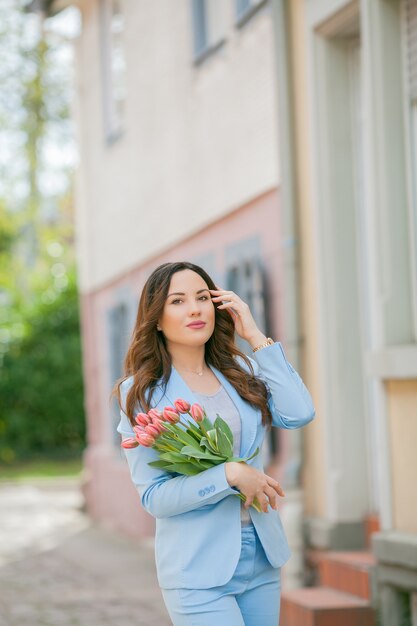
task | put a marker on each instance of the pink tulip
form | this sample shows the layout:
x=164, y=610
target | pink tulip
x=159, y=424
x=139, y=429
x=152, y=430
x=130, y=442
x=197, y=412
x=171, y=415
x=154, y=414
x=145, y=440
x=143, y=419
x=182, y=406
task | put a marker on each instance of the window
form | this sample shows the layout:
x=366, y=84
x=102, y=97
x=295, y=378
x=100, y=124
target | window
x=246, y=8
x=209, y=21
x=113, y=67
x=247, y=279
x=118, y=332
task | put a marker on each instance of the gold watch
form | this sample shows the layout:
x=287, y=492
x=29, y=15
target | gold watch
x=268, y=342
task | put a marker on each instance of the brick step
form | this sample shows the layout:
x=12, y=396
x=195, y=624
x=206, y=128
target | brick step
x=323, y=606
x=347, y=571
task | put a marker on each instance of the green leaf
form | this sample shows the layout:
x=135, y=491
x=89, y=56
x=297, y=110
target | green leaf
x=207, y=464
x=224, y=445
x=172, y=457
x=170, y=441
x=205, y=442
x=194, y=431
x=207, y=424
x=200, y=463
x=160, y=464
x=185, y=437
x=212, y=437
x=224, y=427
x=184, y=468
x=201, y=454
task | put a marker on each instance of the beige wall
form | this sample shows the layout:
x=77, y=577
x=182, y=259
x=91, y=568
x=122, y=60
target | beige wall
x=402, y=408
x=314, y=461
x=200, y=141
x=401, y=395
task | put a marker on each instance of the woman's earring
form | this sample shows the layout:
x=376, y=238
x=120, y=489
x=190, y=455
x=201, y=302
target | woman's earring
x=158, y=328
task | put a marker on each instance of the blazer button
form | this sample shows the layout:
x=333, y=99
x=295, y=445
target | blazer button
x=212, y=488
x=201, y=492
x=206, y=489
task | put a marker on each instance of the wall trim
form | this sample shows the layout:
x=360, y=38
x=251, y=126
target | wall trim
x=395, y=362
x=327, y=535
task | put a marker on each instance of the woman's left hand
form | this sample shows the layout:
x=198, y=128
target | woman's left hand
x=245, y=325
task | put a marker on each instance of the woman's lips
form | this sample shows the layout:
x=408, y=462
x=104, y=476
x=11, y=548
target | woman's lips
x=196, y=325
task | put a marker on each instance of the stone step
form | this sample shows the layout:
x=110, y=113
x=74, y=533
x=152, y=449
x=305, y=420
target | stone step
x=324, y=606
x=348, y=572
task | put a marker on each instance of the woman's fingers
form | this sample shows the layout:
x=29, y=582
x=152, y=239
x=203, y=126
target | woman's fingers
x=275, y=484
x=248, y=501
x=263, y=502
x=272, y=496
x=261, y=486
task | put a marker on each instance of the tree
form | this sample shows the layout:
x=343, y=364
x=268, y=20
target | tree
x=39, y=333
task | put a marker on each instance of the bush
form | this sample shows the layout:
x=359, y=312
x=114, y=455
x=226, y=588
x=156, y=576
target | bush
x=41, y=387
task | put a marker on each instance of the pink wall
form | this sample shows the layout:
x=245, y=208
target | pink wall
x=111, y=497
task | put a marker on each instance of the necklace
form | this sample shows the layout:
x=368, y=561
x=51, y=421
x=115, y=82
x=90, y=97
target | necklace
x=187, y=370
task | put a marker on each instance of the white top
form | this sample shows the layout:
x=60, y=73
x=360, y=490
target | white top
x=220, y=402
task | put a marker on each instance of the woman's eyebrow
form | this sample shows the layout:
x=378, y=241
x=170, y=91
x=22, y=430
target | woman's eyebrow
x=180, y=293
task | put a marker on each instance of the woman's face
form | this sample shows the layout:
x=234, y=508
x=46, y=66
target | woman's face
x=188, y=300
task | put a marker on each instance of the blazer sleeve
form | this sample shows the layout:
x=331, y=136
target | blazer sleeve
x=161, y=493
x=289, y=400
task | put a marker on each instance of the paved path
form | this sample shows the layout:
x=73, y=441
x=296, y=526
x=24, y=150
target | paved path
x=57, y=568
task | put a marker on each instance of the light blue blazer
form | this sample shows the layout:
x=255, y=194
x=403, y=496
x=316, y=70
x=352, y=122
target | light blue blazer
x=198, y=528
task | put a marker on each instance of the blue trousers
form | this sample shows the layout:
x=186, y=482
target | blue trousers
x=250, y=598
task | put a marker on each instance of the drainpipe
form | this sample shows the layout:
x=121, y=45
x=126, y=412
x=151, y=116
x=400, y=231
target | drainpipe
x=293, y=510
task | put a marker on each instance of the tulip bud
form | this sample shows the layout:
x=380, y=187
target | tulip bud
x=152, y=430
x=159, y=424
x=154, y=414
x=182, y=406
x=130, y=442
x=145, y=440
x=142, y=419
x=171, y=415
x=139, y=429
x=197, y=412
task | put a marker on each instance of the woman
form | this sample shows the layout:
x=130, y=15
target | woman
x=218, y=560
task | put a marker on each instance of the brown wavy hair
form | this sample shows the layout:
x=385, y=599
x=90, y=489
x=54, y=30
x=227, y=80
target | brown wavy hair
x=147, y=358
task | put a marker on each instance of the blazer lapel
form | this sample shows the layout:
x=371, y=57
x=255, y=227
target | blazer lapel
x=177, y=388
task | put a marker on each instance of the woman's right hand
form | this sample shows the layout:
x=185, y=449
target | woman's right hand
x=253, y=483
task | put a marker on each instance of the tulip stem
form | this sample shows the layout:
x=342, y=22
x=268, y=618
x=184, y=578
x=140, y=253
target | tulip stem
x=255, y=505
x=200, y=424
x=166, y=447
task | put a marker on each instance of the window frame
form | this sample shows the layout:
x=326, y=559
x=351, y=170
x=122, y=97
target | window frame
x=203, y=47
x=242, y=16
x=113, y=119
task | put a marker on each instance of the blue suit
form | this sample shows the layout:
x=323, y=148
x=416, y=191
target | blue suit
x=198, y=529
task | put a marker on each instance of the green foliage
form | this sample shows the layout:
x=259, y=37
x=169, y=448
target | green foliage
x=41, y=389
x=42, y=468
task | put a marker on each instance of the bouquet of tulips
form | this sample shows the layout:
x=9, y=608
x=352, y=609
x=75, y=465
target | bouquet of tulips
x=185, y=448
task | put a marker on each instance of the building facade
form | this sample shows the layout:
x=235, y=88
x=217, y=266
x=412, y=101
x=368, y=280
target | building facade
x=179, y=160
x=350, y=80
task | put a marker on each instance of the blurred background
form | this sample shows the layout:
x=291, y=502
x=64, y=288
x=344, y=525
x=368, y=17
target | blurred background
x=272, y=142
